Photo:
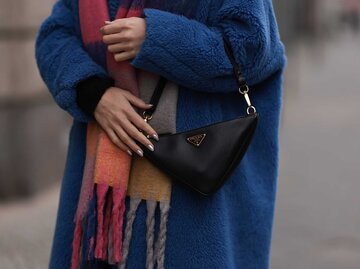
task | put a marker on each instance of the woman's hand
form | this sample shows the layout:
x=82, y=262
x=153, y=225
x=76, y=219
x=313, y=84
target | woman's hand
x=114, y=111
x=121, y=122
x=124, y=37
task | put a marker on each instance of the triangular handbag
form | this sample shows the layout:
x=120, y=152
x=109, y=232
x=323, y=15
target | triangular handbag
x=202, y=159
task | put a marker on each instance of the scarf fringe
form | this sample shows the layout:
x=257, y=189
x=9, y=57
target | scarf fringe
x=98, y=235
x=130, y=217
x=117, y=222
x=160, y=243
x=101, y=191
x=150, y=225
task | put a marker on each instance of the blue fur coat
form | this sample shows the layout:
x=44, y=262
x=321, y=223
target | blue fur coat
x=232, y=228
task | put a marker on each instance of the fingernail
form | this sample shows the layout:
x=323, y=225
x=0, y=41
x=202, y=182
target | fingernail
x=156, y=137
x=151, y=147
x=108, y=21
x=139, y=151
x=129, y=152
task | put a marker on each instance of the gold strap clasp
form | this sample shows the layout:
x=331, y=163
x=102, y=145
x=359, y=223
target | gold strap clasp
x=243, y=90
x=146, y=117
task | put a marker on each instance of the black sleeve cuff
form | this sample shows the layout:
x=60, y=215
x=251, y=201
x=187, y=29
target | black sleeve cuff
x=90, y=91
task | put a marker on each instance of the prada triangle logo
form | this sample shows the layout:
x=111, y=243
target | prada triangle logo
x=196, y=139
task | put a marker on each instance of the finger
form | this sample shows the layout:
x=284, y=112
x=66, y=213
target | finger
x=115, y=139
x=139, y=122
x=116, y=37
x=112, y=27
x=119, y=47
x=125, y=55
x=137, y=135
x=127, y=140
x=136, y=101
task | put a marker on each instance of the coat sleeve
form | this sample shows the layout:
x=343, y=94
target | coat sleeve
x=62, y=60
x=192, y=54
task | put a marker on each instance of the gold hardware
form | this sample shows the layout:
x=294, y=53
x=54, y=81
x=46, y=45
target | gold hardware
x=196, y=139
x=250, y=109
x=247, y=99
x=244, y=91
x=147, y=135
x=146, y=116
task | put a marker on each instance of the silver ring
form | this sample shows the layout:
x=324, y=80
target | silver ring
x=245, y=91
x=146, y=116
x=251, y=110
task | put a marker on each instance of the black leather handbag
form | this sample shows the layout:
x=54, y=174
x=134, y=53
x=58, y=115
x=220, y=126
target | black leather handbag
x=202, y=159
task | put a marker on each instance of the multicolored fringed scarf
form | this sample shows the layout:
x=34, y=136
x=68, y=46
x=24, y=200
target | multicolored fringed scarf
x=110, y=174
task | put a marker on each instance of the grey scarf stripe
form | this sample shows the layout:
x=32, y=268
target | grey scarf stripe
x=163, y=121
x=164, y=117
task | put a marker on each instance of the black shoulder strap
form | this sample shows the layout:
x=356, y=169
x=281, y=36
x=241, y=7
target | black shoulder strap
x=237, y=71
x=162, y=81
x=156, y=95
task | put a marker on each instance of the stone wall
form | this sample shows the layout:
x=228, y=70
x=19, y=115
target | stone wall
x=33, y=130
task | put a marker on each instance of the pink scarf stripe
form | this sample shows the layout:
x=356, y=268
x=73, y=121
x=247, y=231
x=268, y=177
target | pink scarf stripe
x=101, y=205
x=101, y=191
x=90, y=25
x=107, y=224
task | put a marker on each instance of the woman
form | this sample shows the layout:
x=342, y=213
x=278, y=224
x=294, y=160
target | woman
x=181, y=41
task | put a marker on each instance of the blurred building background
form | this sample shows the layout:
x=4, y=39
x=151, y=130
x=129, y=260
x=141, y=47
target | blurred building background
x=317, y=222
x=33, y=131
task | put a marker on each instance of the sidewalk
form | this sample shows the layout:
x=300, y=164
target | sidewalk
x=317, y=224
x=26, y=230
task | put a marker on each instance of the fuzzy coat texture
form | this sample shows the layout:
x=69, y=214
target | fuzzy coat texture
x=232, y=228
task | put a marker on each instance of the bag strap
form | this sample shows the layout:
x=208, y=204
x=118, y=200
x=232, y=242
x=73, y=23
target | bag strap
x=243, y=87
x=147, y=114
x=237, y=71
